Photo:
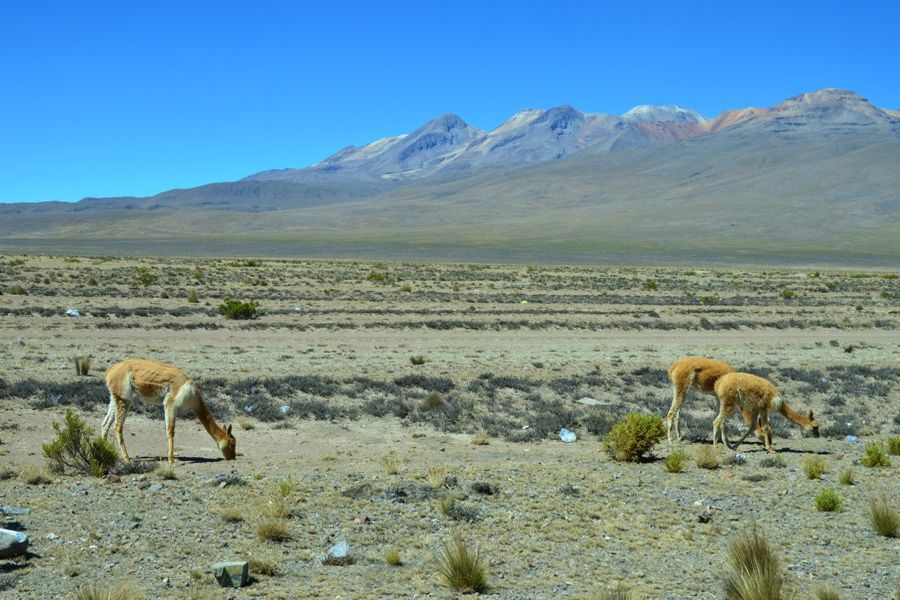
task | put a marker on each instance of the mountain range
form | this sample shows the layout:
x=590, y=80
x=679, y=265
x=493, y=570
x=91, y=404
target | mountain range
x=813, y=179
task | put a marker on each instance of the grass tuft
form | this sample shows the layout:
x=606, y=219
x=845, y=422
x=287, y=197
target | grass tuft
x=827, y=593
x=460, y=567
x=230, y=514
x=755, y=570
x=392, y=557
x=82, y=365
x=828, y=500
x=847, y=477
x=264, y=564
x=165, y=471
x=893, y=445
x=814, y=467
x=34, y=475
x=885, y=519
x=675, y=461
x=272, y=529
x=116, y=592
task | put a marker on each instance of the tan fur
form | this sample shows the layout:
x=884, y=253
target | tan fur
x=695, y=373
x=759, y=397
x=149, y=381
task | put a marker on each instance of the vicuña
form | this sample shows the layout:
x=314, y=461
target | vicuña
x=759, y=397
x=149, y=381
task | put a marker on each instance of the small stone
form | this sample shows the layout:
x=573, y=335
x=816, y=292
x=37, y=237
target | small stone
x=51, y=536
x=155, y=487
x=232, y=573
x=339, y=555
x=13, y=510
x=112, y=478
x=12, y=543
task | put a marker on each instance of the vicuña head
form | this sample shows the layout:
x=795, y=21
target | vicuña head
x=149, y=381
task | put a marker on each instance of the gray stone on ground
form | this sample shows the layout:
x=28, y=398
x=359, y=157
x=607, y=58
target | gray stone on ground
x=12, y=543
x=232, y=573
x=339, y=554
x=588, y=401
x=13, y=510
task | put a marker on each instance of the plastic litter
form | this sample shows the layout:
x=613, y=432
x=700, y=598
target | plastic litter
x=248, y=408
x=73, y=313
x=852, y=438
x=740, y=459
x=284, y=409
x=566, y=435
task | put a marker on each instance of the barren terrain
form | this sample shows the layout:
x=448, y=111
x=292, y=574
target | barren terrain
x=359, y=393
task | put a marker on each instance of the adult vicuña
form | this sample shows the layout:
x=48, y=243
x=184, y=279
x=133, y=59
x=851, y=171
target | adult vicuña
x=149, y=381
x=759, y=397
x=696, y=373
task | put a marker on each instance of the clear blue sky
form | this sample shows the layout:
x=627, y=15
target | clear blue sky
x=133, y=98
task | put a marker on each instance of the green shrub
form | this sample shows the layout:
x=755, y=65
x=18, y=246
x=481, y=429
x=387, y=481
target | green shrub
x=675, y=461
x=378, y=277
x=235, y=309
x=875, y=456
x=461, y=568
x=788, y=294
x=75, y=449
x=632, y=439
x=756, y=571
x=146, y=277
x=814, y=467
x=828, y=500
x=18, y=290
x=885, y=519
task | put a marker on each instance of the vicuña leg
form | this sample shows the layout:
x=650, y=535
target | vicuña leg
x=109, y=419
x=121, y=413
x=754, y=418
x=170, y=430
x=681, y=389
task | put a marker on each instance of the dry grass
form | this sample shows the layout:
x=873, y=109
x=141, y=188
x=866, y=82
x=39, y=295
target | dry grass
x=755, y=570
x=230, y=514
x=885, y=519
x=620, y=592
x=34, y=475
x=814, y=467
x=827, y=593
x=480, y=439
x=707, y=457
x=271, y=529
x=847, y=477
x=68, y=559
x=460, y=567
x=7, y=472
x=244, y=423
x=390, y=463
x=893, y=445
x=435, y=476
x=264, y=564
x=165, y=471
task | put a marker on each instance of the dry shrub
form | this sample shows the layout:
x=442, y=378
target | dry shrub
x=263, y=564
x=480, y=439
x=271, y=529
x=707, y=457
x=230, y=514
x=121, y=591
x=847, y=477
x=460, y=567
x=82, y=365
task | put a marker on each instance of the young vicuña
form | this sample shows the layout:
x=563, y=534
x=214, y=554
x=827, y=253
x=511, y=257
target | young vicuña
x=759, y=397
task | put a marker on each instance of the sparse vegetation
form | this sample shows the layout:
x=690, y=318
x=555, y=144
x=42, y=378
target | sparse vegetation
x=34, y=475
x=893, y=445
x=192, y=297
x=165, y=471
x=231, y=514
x=77, y=450
x=847, y=477
x=418, y=360
x=263, y=564
x=271, y=529
x=632, y=439
x=827, y=593
x=828, y=500
x=117, y=592
x=462, y=568
x=885, y=519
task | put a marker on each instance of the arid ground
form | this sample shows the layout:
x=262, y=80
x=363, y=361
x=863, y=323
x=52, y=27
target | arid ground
x=389, y=405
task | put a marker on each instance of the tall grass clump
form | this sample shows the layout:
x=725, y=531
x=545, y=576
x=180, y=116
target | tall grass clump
x=707, y=458
x=893, y=445
x=77, y=450
x=884, y=519
x=461, y=567
x=756, y=571
x=632, y=439
x=82, y=365
x=847, y=477
x=116, y=592
x=827, y=593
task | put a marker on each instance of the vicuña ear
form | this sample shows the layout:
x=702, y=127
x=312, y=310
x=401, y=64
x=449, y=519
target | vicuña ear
x=228, y=431
x=810, y=415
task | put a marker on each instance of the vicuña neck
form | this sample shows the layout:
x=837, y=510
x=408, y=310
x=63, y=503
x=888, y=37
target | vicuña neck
x=212, y=428
x=793, y=415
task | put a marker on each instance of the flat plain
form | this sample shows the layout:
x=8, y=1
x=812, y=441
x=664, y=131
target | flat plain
x=391, y=404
